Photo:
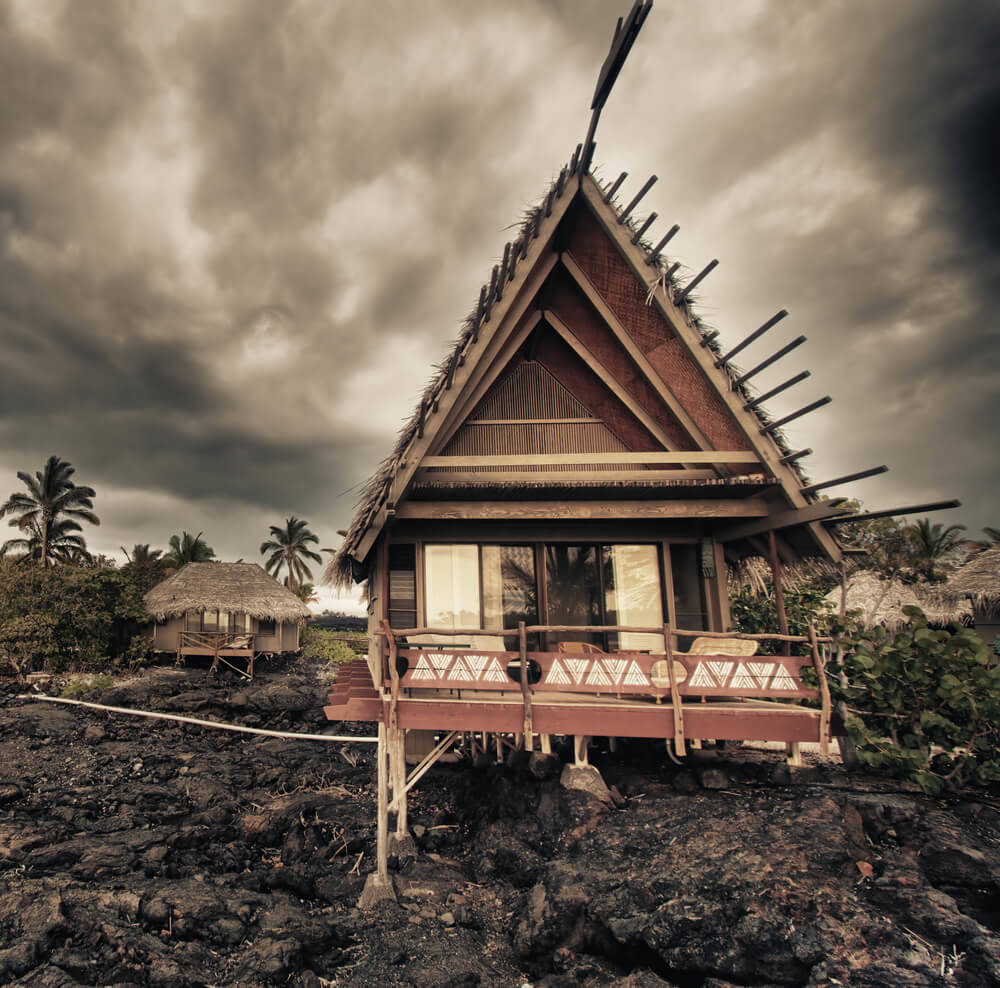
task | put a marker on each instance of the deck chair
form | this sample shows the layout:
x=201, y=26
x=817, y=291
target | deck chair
x=579, y=648
x=723, y=646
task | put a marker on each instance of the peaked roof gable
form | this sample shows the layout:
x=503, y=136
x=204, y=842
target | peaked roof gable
x=694, y=405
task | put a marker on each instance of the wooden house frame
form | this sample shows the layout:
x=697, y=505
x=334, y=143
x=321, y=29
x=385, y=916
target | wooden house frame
x=227, y=611
x=546, y=548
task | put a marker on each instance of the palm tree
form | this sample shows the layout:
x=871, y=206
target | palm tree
x=187, y=548
x=306, y=592
x=931, y=545
x=288, y=547
x=144, y=566
x=992, y=540
x=48, y=512
x=64, y=545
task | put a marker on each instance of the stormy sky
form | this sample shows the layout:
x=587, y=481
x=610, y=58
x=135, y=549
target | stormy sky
x=235, y=236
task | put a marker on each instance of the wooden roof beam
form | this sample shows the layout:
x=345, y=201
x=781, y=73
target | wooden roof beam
x=798, y=413
x=764, y=364
x=654, y=254
x=563, y=459
x=846, y=479
x=562, y=509
x=893, y=512
x=632, y=348
x=626, y=212
x=698, y=279
x=610, y=194
x=784, y=386
x=821, y=511
x=753, y=337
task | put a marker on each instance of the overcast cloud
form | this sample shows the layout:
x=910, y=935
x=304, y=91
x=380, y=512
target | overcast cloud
x=234, y=237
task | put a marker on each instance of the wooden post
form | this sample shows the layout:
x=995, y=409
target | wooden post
x=824, y=692
x=580, y=749
x=779, y=592
x=529, y=736
x=399, y=783
x=382, y=824
x=675, y=697
x=546, y=743
x=390, y=639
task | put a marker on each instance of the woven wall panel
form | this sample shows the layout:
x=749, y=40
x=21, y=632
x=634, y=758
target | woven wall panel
x=626, y=296
x=575, y=310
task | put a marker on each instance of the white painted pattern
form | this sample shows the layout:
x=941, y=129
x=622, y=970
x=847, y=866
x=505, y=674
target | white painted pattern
x=635, y=676
x=460, y=671
x=702, y=677
x=423, y=669
x=476, y=664
x=783, y=680
x=557, y=675
x=495, y=673
x=761, y=672
x=598, y=677
x=615, y=668
x=440, y=661
x=577, y=668
x=720, y=670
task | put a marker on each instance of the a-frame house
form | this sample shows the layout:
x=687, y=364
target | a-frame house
x=584, y=465
x=546, y=548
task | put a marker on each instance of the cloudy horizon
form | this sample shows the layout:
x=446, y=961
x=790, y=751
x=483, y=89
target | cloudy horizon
x=235, y=240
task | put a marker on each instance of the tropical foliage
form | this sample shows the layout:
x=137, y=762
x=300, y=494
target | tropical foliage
x=49, y=515
x=68, y=617
x=145, y=567
x=288, y=548
x=921, y=703
x=322, y=645
x=186, y=548
x=934, y=548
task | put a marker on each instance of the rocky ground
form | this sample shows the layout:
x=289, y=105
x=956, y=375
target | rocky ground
x=138, y=852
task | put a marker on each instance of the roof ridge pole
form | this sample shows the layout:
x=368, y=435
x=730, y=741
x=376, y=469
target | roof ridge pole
x=755, y=335
x=626, y=31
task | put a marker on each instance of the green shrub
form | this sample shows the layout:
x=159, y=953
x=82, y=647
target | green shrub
x=85, y=687
x=322, y=645
x=922, y=704
x=756, y=613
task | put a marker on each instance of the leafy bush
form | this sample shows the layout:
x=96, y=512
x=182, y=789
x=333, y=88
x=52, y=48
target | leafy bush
x=84, y=687
x=756, y=613
x=321, y=645
x=922, y=704
x=65, y=617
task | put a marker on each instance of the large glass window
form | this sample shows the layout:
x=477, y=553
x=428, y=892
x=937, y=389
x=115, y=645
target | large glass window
x=480, y=586
x=632, y=595
x=573, y=590
x=192, y=621
x=403, y=585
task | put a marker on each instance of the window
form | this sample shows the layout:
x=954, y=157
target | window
x=403, y=586
x=689, y=591
x=473, y=586
x=265, y=626
x=210, y=621
x=607, y=584
x=192, y=621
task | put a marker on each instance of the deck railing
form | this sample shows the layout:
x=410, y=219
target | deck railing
x=218, y=641
x=730, y=672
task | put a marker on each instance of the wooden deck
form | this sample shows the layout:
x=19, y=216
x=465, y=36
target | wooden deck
x=677, y=695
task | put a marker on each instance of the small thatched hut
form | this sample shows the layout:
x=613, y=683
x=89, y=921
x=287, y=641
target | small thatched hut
x=977, y=583
x=232, y=608
x=881, y=601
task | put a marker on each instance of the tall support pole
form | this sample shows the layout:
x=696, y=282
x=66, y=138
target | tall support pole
x=779, y=592
x=675, y=696
x=824, y=692
x=399, y=783
x=382, y=824
x=529, y=731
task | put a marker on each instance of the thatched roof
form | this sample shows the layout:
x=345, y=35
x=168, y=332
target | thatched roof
x=978, y=580
x=375, y=492
x=882, y=601
x=239, y=587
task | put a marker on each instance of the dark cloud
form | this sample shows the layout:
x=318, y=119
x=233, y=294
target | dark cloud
x=234, y=239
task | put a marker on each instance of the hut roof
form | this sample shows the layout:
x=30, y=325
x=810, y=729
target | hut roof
x=240, y=587
x=882, y=601
x=978, y=580
x=560, y=194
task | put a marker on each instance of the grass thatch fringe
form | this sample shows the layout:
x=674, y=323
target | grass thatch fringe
x=339, y=571
x=236, y=587
x=978, y=580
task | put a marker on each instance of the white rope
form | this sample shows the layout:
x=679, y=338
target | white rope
x=194, y=720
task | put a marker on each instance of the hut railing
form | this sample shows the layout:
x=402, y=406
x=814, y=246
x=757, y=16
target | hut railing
x=668, y=675
x=217, y=641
